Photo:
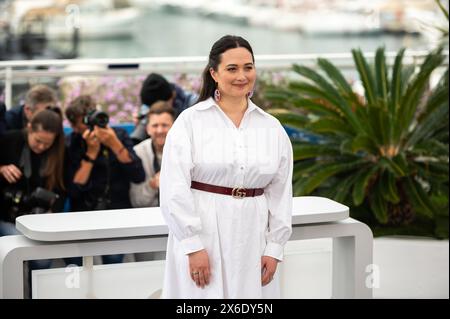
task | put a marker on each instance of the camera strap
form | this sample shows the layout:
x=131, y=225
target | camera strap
x=25, y=164
x=108, y=173
x=156, y=166
x=25, y=161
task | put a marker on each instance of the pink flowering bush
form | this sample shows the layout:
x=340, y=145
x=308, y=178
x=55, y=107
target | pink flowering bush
x=119, y=96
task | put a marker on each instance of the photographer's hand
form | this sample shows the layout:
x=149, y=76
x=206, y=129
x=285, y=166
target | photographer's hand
x=11, y=173
x=154, y=182
x=93, y=148
x=93, y=144
x=108, y=137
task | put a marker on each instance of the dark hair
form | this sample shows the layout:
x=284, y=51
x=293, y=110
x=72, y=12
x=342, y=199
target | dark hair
x=155, y=88
x=51, y=121
x=215, y=56
x=79, y=107
x=161, y=107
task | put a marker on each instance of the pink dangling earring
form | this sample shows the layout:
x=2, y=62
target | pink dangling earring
x=250, y=94
x=217, y=95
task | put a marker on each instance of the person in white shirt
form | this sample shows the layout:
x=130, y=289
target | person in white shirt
x=146, y=194
x=226, y=186
x=159, y=121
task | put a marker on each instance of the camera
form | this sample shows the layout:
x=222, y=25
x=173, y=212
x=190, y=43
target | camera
x=42, y=200
x=97, y=202
x=38, y=202
x=95, y=117
x=102, y=204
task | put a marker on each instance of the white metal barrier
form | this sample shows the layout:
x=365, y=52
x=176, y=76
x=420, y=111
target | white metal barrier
x=31, y=69
x=50, y=236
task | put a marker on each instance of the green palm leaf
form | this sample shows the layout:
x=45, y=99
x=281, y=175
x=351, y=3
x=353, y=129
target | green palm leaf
x=434, y=120
x=409, y=103
x=333, y=96
x=430, y=147
x=361, y=183
x=343, y=188
x=364, y=143
x=305, y=151
x=307, y=185
x=395, y=168
x=314, y=92
x=379, y=205
x=289, y=118
x=381, y=75
x=388, y=188
x=330, y=125
x=366, y=75
x=417, y=195
x=338, y=79
x=396, y=83
x=315, y=107
x=439, y=95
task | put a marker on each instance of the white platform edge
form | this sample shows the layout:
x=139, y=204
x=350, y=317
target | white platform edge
x=148, y=221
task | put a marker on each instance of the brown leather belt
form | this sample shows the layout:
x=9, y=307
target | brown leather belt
x=236, y=192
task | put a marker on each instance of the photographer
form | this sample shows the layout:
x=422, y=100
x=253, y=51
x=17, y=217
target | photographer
x=160, y=119
x=38, y=98
x=157, y=88
x=32, y=169
x=103, y=161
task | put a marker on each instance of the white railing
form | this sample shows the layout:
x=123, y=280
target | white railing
x=15, y=70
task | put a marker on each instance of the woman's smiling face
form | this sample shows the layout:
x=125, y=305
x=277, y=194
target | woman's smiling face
x=236, y=73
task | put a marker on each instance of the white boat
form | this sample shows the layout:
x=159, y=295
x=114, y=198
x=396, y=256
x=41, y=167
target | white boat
x=95, y=23
x=339, y=22
x=93, y=19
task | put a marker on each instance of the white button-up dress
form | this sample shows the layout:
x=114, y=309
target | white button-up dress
x=205, y=146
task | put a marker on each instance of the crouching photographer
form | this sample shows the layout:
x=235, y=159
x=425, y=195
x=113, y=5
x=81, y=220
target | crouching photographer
x=103, y=162
x=31, y=172
x=31, y=169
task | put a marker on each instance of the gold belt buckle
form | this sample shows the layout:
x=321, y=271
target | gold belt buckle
x=238, y=192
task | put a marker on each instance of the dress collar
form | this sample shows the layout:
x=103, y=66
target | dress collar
x=204, y=105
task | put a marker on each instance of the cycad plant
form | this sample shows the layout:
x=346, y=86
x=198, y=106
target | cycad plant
x=385, y=154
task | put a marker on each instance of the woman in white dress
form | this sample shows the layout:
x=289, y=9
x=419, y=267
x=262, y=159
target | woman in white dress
x=225, y=186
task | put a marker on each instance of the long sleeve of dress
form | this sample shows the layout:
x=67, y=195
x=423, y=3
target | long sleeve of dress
x=279, y=199
x=176, y=199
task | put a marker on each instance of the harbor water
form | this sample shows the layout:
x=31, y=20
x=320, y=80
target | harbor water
x=160, y=32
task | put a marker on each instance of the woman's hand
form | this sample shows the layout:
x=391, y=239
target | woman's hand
x=268, y=268
x=11, y=173
x=199, y=267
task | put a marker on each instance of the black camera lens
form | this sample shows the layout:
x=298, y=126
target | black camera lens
x=102, y=119
x=96, y=118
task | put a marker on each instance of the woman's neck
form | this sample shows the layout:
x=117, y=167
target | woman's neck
x=233, y=105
